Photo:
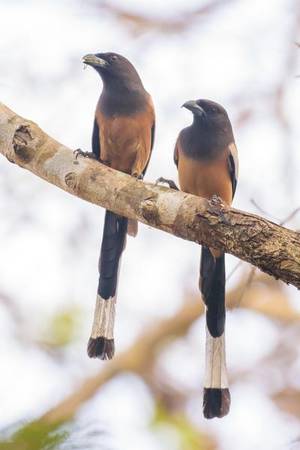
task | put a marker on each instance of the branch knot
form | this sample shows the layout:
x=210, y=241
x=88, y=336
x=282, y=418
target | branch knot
x=21, y=141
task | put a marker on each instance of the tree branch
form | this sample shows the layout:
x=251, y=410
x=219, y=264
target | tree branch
x=141, y=23
x=270, y=247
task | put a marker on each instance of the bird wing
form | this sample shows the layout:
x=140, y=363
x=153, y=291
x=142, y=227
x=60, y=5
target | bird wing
x=96, y=140
x=175, y=155
x=233, y=166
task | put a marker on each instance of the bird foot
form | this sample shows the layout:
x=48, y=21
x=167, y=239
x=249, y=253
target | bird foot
x=79, y=152
x=170, y=183
x=137, y=176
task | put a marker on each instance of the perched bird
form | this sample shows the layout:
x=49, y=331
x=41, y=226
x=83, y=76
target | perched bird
x=206, y=157
x=122, y=138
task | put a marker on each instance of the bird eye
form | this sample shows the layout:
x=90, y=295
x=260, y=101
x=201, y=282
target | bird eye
x=114, y=57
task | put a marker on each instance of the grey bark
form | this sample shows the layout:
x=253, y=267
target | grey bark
x=272, y=248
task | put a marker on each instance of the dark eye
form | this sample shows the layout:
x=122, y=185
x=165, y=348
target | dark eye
x=114, y=57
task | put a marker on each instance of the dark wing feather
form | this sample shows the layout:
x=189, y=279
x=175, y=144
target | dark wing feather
x=152, y=137
x=175, y=155
x=233, y=166
x=96, y=140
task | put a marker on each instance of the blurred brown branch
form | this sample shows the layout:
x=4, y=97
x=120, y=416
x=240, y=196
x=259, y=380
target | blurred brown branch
x=288, y=400
x=141, y=23
x=270, y=247
x=265, y=296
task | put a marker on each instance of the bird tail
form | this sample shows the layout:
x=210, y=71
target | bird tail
x=216, y=400
x=101, y=342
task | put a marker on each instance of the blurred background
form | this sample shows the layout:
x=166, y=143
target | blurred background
x=241, y=53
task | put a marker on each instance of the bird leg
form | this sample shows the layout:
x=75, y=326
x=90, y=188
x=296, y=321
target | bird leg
x=137, y=175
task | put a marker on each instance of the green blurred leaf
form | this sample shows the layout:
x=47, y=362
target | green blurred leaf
x=63, y=328
x=36, y=436
x=73, y=435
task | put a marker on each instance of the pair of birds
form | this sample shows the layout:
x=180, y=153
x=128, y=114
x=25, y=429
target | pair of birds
x=206, y=158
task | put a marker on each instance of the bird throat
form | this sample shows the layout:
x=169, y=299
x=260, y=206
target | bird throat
x=122, y=100
x=205, y=142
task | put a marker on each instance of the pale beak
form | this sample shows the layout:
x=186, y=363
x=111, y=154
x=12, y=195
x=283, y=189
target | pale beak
x=192, y=105
x=94, y=61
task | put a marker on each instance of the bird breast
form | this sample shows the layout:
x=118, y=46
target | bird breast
x=125, y=142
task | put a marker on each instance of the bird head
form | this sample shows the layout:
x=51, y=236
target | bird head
x=113, y=68
x=207, y=111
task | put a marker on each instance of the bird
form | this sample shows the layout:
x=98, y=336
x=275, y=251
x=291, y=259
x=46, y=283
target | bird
x=122, y=138
x=207, y=161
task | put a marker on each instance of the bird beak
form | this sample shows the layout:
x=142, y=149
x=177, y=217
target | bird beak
x=94, y=61
x=192, y=105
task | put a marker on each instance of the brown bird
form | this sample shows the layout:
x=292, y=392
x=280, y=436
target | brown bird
x=123, y=137
x=206, y=157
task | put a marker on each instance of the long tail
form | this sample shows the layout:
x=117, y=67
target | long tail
x=101, y=343
x=216, y=400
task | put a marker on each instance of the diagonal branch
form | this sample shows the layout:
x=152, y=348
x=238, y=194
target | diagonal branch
x=140, y=23
x=270, y=247
x=142, y=354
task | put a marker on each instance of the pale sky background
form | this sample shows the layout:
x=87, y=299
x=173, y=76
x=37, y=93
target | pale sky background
x=49, y=241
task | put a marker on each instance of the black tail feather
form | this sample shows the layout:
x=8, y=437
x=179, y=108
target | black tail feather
x=101, y=348
x=216, y=402
x=113, y=242
x=101, y=343
x=216, y=399
x=212, y=286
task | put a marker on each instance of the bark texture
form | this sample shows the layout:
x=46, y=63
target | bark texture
x=270, y=247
